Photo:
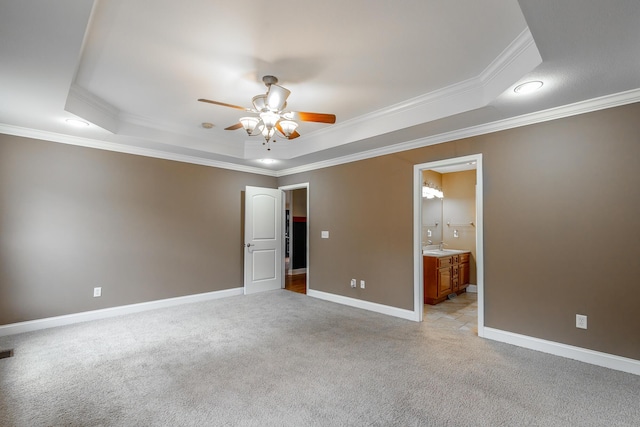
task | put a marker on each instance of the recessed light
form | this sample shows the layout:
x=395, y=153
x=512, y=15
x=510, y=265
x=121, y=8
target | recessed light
x=267, y=161
x=207, y=125
x=528, y=87
x=77, y=123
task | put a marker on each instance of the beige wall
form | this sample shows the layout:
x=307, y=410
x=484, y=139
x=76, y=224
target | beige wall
x=143, y=229
x=73, y=218
x=547, y=187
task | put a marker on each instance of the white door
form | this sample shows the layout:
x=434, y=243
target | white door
x=263, y=248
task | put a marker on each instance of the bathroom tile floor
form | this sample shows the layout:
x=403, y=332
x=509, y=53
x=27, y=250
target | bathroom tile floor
x=459, y=313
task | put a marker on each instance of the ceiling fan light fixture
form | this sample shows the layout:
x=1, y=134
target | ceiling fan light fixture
x=277, y=97
x=267, y=133
x=288, y=127
x=269, y=118
x=249, y=124
x=272, y=118
x=260, y=102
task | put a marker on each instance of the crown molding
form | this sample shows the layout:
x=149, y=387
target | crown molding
x=128, y=149
x=582, y=107
x=516, y=60
x=91, y=107
x=516, y=49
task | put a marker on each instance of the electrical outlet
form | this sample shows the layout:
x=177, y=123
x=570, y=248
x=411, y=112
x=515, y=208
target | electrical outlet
x=362, y=284
x=97, y=292
x=581, y=321
x=353, y=283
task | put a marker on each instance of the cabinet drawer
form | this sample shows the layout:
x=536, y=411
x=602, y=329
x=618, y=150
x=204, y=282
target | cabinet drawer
x=444, y=262
x=455, y=259
x=464, y=258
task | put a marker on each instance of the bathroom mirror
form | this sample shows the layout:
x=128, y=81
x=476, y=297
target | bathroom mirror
x=431, y=210
x=431, y=221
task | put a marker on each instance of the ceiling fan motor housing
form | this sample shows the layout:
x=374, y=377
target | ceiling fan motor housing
x=270, y=80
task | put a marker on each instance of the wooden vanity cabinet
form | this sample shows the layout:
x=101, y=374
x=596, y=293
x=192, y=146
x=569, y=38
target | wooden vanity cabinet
x=455, y=270
x=444, y=276
x=464, y=272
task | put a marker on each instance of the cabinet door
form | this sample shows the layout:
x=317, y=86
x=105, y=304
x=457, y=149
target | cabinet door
x=464, y=274
x=444, y=281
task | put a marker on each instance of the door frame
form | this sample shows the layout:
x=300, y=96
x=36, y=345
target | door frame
x=297, y=187
x=418, y=273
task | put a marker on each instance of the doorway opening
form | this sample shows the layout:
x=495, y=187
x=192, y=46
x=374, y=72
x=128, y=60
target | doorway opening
x=296, y=237
x=448, y=260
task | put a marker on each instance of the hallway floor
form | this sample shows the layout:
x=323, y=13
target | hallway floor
x=296, y=283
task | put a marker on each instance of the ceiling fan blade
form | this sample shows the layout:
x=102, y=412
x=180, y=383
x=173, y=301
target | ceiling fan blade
x=294, y=135
x=316, y=117
x=234, y=127
x=224, y=104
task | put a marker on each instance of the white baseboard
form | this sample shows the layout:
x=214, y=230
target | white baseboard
x=50, y=322
x=472, y=288
x=366, y=305
x=606, y=360
x=297, y=271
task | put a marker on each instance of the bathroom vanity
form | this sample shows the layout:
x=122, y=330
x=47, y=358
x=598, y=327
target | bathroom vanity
x=445, y=272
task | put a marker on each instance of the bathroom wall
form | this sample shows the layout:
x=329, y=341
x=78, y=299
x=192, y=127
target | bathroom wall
x=459, y=209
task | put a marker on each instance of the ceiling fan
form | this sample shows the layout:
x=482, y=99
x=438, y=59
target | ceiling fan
x=272, y=115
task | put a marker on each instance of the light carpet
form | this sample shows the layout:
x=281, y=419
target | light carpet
x=285, y=359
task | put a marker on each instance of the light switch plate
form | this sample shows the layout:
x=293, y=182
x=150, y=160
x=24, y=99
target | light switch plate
x=324, y=234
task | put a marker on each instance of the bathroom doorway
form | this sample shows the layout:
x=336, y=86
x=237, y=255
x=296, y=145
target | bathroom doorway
x=448, y=227
x=296, y=236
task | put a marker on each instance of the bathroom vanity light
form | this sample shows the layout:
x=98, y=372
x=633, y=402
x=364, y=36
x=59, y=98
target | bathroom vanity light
x=430, y=191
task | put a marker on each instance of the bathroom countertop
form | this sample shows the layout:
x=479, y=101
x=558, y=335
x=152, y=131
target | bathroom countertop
x=442, y=253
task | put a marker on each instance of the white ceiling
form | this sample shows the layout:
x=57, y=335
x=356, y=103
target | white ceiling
x=394, y=73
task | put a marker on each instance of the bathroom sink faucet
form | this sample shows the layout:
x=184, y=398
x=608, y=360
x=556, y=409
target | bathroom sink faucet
x=442, y=245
